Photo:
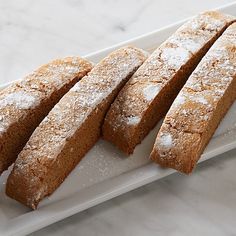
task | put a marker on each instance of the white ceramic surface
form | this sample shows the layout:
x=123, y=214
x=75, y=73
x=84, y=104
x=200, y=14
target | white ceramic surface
x=104, y=173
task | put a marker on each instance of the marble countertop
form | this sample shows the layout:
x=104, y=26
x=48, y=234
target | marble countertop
x=34, y=32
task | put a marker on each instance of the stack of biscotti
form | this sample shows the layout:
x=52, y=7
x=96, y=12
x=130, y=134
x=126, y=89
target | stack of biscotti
x=147, y=96
x=71, y=128
x=25, y=103
x=199, y=107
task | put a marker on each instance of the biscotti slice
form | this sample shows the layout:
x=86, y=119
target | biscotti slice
x=199, y=107
x=147, y=96
x=71, y=128
x=25, y=103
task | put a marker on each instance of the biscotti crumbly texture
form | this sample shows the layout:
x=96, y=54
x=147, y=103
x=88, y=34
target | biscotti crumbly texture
x=199, y=107
x=25, y=103
x=71, y=128
x=147, y=96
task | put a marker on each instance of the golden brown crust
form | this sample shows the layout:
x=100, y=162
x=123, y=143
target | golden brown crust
x=199, y=107
x=147, y=96
x=25, y=103
x=71, y=128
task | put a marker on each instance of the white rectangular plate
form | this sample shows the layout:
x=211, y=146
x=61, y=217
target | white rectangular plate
x=105, y=173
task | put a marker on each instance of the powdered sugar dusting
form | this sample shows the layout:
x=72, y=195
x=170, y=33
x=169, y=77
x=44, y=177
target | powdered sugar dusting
x=209, y=21
x=133, y=120
x=201, y=100
x=180, y=99
x=151, y=91
x=175, y=56
x=20, y=100
x=56, y=74
x=187, y=41
x=109, y=80
x=207, y=24
x=166, y=141
x=95, y=95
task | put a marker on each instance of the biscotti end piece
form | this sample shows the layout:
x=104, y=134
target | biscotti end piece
x=147, y=96
x=25, y=103
x=71, y=128
x=199, y=107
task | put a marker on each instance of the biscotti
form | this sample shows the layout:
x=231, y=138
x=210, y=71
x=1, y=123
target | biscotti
x=147, y=96
x=71, y=128
x=25, y=103
x=199, y=107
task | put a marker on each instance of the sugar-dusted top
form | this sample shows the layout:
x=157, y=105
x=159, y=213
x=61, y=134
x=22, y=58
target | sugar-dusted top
x=162, y=65
x=68, y=115
x=29, y=92
x=194, y=106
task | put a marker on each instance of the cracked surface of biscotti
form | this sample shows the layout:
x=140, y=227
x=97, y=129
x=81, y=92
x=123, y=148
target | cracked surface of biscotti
x=147, y=96
x=71, y=128
x=199, y=107
x=26, y=102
